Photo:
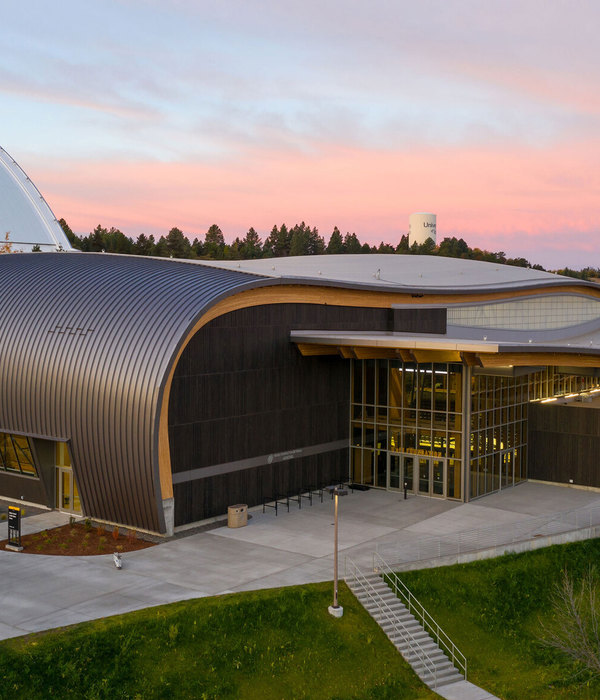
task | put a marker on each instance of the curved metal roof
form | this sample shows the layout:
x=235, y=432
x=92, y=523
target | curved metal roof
x=85, y=345
x=24, y=213
x=410, y=273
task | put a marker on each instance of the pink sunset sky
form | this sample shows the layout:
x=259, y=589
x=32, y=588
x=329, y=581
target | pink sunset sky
x=146, y=115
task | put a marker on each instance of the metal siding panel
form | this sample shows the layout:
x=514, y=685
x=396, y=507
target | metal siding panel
x=101, y=389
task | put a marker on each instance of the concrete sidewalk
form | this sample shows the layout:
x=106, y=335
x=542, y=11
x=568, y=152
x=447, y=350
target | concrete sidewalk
x=43, y=592
x=463, y=690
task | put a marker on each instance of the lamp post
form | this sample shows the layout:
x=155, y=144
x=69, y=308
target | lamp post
x=336, y=610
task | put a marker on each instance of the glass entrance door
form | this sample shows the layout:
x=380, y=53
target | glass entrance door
x=67, y=495
x=424, y=476
x=394, y=472
x=382, y=468
x=409, y=470
x=401, y=472
x=437, y=477
x=431, y=476
x=507, y=465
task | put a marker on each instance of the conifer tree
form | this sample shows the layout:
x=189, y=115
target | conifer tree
x=250, y=246
x=336, y=243
x=214, y=243
x=144, y=245
x=351, y=243
x=177, y=244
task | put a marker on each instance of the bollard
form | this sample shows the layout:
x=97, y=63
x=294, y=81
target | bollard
x=405, y=489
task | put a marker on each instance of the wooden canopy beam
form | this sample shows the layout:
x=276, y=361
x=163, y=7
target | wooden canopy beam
x=471, y=359
x=347, y=352
x=406, y=355
x=524, y=359
x=436, y=355
x=310, y=349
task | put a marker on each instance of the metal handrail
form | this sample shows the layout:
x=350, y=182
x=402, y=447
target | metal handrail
x=416, y=608
x=477, y=539
x=366, y=587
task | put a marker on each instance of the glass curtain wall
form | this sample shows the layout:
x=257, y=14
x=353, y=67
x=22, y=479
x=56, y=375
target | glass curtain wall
x=548, y=383
x=498, y=432
x=499, y=408
x=406, y=426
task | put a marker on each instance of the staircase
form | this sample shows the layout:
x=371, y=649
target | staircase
x=405, y=631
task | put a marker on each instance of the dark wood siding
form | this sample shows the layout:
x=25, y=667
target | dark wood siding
x=203, y=498
x=564, y=443
x=241, y=389
x=419, y=320
x=27, y=488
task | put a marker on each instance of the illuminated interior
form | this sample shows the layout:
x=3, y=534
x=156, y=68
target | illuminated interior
x=409, y=429
x=15, y=455
x=406, y=426
x=67, y=495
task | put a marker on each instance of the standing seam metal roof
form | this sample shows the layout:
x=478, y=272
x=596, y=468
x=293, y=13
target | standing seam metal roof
x=87, y=341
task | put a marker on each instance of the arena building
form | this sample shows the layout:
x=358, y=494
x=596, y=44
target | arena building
x=154, y=393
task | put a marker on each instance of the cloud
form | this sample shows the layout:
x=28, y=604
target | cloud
x=144, y=114
x=517, y=197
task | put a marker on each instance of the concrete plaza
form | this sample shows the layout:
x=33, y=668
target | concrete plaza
x=42, y=592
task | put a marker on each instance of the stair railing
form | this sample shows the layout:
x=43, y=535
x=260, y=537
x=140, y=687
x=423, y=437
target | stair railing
x=360, y=584
x=458, y=659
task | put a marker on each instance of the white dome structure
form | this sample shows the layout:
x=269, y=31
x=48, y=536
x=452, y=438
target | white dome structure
x=25, y=214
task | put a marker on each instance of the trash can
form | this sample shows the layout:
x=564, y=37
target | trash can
x=237, y=516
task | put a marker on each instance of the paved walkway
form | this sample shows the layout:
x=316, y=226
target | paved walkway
x=463, y=690
x=42, y=592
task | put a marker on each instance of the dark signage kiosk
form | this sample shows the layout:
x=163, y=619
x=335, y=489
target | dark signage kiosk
x=14, y=528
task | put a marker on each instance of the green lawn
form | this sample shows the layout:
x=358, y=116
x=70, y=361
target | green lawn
x=492, y=610
x=279, y=643
x=283, y=644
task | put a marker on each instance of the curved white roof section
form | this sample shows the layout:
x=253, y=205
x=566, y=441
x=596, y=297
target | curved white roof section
x=401, y=272
x=24, y=213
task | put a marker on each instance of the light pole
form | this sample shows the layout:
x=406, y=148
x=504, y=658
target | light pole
x=336, y=610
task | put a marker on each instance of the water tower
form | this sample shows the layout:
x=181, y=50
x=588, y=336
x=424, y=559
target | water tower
x=421, y=226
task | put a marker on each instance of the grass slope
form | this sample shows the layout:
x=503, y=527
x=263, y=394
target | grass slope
x=279, y=643
x=492, y=610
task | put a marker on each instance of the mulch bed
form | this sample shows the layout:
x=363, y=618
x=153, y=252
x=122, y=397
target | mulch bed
x=81, y=539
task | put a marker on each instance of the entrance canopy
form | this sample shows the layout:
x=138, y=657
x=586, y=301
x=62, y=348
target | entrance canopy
x=582, y=352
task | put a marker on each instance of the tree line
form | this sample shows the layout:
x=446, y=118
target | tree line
x=283, y=241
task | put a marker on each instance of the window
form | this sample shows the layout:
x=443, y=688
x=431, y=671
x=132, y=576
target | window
x=15, y=455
